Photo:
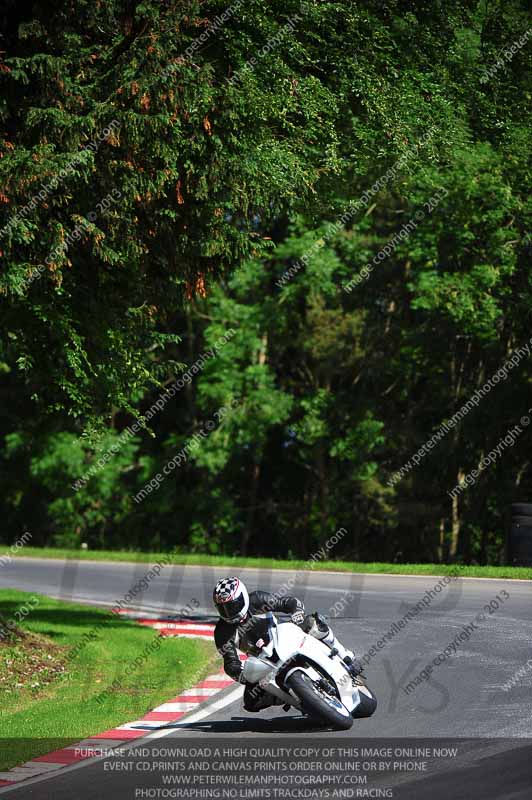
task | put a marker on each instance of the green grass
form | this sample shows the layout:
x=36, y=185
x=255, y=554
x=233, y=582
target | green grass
x=524, y=573
x=62, y=708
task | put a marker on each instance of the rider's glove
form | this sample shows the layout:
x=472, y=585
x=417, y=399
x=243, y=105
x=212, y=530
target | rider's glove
x=297, y=617
x=241, y=678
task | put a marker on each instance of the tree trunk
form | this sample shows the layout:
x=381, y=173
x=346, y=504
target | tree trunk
x=253, y=491
x=255, y=474
x=441, y=541
x=323, y=489
x=455, y=520
x=190, y=393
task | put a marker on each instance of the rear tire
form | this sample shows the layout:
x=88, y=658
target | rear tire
x=314, y=702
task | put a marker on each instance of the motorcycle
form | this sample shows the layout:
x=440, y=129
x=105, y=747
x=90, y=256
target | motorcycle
x=302, y=672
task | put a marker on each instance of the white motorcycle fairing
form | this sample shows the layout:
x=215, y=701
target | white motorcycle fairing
x=289, y=643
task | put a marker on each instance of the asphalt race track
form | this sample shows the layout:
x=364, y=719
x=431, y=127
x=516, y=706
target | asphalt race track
x=462, y=698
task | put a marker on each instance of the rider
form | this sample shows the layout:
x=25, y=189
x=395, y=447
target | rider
x=238, y=627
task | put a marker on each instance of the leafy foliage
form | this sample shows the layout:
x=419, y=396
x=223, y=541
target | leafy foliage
x=248, y=198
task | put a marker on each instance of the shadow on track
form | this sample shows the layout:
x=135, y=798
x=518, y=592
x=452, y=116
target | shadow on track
x=251, y=724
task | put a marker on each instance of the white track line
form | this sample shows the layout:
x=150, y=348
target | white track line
x=211, y=708
x=234, y=695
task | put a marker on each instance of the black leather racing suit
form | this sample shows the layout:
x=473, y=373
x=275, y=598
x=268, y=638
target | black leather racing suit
x=227, y=636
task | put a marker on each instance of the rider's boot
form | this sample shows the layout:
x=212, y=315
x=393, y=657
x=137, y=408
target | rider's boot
x=257, y=699
x=318, y=627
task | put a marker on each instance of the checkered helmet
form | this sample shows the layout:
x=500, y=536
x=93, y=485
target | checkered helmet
x=231, y=599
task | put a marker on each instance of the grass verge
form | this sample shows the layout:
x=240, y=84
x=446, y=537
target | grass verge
x=199, y=559
x=50, y=678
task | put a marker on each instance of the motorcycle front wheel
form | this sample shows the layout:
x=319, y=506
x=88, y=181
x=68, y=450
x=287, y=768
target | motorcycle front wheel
x=318, y=703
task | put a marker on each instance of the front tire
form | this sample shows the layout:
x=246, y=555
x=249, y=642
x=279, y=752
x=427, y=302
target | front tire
x=317, y=703
x=368, y=703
